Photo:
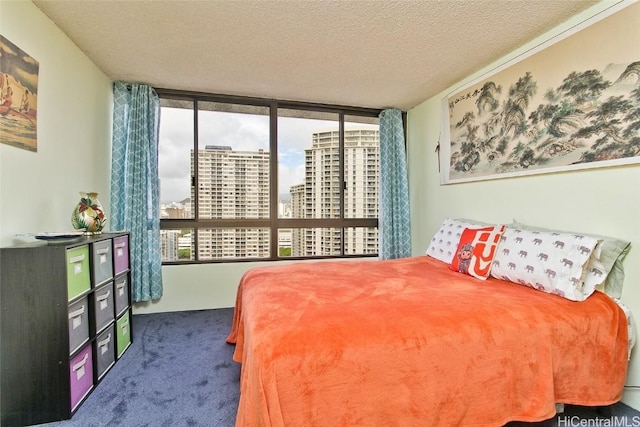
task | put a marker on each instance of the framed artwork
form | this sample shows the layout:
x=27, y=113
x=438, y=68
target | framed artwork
x=573, y=102
x=18, y=97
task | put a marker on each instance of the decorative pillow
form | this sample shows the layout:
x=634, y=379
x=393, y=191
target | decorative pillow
x=444, y=243
x=551, y=262
x=476, y=250
x=612, y=253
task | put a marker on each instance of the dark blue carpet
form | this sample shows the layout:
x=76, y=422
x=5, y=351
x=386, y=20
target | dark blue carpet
x=179, y=372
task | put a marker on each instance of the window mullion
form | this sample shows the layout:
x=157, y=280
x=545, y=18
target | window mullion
x=273, y=181
x=195, y=181
x=341, y=178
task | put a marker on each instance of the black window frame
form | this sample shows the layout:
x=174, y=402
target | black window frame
x=273, y=223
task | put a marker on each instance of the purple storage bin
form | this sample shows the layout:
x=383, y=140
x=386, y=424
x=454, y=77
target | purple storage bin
x=81, y=376
x=120, y=254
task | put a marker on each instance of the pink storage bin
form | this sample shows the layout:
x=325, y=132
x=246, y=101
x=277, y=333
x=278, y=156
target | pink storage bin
x=120, y=254
x=81, y=376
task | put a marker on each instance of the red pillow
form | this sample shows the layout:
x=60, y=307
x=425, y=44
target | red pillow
x=476, y=250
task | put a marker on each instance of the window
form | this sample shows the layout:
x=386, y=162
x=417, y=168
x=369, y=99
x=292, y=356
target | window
x=252, y=179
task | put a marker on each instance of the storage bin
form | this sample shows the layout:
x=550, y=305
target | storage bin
x=81, y=376
x=102, y=262
x=121, y=254
x=103, y=306
x=78, y=324
x=121, y=294
x=105, y=354
x=78, y=278
x=123, y=333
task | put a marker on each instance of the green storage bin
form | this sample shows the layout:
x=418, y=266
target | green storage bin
x=78, y=272
x=123, y=333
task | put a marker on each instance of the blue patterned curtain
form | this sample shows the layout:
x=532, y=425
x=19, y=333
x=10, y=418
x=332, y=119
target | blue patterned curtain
x=394, y=218
x=134, y=183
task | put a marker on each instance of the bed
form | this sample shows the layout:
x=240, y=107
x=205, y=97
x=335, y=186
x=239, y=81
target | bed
x=410, y=342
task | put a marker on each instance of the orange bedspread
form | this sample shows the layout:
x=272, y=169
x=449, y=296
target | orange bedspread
x=410, y=343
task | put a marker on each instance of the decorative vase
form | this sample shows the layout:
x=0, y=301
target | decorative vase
x=88, y=214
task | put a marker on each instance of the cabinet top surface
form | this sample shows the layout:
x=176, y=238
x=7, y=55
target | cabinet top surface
x=82, y=240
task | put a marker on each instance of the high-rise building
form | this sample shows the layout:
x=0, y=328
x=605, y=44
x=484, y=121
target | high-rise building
x=172, y=241
x=319, y=196
x=169, y=244
x=297, y=211
x=232, y=184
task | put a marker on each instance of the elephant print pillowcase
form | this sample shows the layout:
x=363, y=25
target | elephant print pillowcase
x=550, y=262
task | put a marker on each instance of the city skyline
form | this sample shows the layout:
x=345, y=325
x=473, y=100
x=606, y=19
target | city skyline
x=235, y=184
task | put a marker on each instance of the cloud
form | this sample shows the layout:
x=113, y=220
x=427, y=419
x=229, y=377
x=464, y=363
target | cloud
x=291, y=158
x=239, y=131
x=289, y=176
x=174, y=149
x=174, y=189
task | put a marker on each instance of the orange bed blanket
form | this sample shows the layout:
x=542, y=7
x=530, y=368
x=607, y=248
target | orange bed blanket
x=409, y=342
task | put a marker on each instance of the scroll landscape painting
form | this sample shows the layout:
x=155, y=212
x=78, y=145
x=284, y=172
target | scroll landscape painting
x=571, y=103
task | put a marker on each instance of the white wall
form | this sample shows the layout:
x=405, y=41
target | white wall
x=197, y=287
x=38, y=191
x=601, y=201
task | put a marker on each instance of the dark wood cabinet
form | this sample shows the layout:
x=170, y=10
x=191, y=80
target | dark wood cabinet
x=65, y=321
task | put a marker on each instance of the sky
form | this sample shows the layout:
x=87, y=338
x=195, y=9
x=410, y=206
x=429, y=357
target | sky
x=241, y=132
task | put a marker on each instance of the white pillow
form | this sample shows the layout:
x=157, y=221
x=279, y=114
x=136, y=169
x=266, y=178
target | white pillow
x=550, y=262
x=444, y=243
x=611, y=252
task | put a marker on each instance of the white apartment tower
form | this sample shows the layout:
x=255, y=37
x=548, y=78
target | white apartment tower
x=169, y=244
x=320, y=197
x=232, y=184
x=297, y=211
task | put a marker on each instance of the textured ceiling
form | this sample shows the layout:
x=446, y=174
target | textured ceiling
x=360, y=53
